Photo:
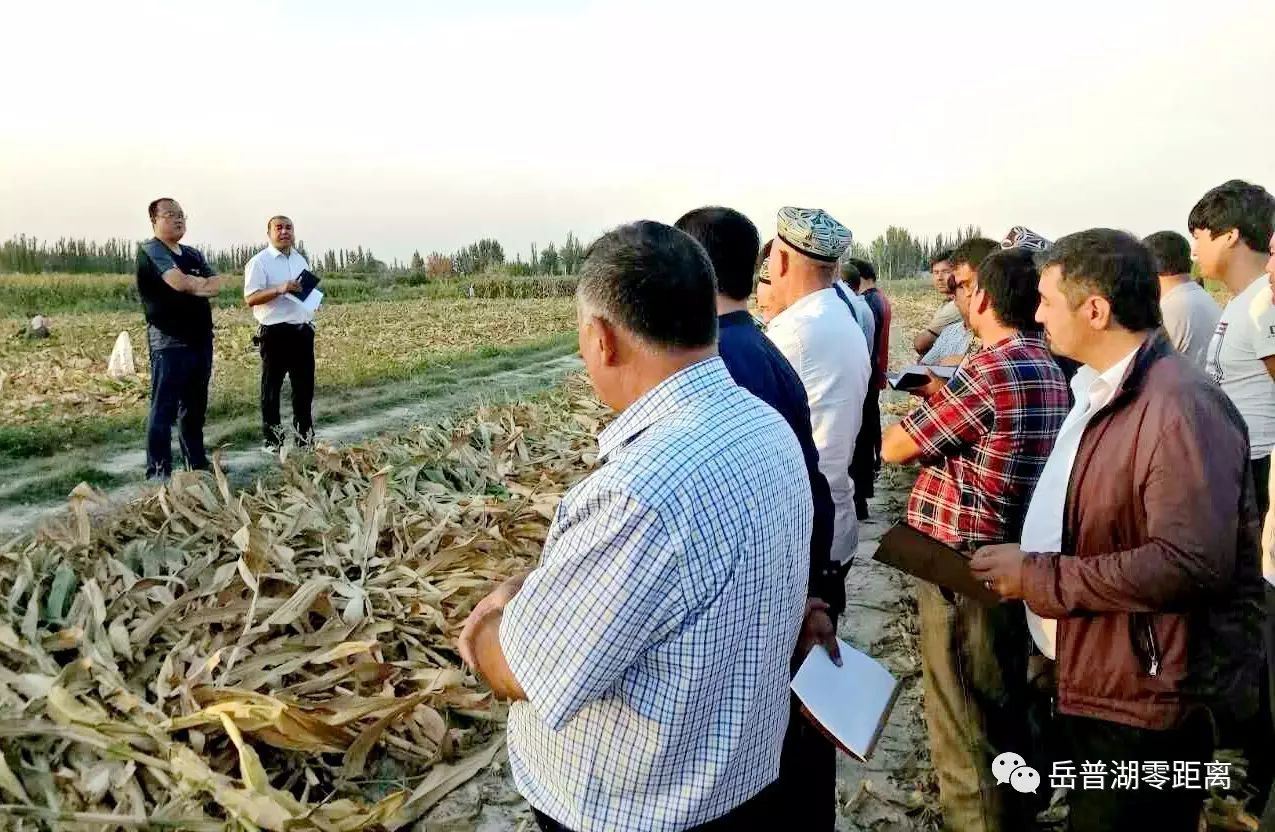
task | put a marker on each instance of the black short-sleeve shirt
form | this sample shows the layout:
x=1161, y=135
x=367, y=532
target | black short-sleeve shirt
x=179, y=315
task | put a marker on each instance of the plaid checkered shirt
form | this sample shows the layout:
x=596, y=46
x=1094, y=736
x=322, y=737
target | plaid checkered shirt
x=654, y=639
x=984, y=439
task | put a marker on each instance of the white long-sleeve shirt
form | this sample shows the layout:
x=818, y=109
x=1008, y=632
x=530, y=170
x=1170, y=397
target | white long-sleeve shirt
x=826, y=347
x=269, y=268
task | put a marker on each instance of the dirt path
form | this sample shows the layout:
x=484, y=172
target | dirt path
x=372, y=412
x=891, y=793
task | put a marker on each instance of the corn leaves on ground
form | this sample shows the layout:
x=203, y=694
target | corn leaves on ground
x=280, y=658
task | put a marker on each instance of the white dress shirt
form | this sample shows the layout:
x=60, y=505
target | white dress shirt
x=820, y=339
x=1043, y=526
x=271, y=267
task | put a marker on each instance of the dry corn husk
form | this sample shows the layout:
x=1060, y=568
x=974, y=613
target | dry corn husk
x=282, y=657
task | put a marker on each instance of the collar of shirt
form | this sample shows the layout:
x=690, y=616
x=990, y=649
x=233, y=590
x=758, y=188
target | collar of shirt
x=1099, y=388
x=666, y=397
x=739, y=318
x=274, y=252
x=807, y=305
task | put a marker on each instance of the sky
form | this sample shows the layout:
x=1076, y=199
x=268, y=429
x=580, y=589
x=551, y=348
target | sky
x=427, y=125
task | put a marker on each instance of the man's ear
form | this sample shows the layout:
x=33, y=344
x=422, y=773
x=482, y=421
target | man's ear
x=608, y=341
x=982, y=301
x=1098, y=313
x=784, y=263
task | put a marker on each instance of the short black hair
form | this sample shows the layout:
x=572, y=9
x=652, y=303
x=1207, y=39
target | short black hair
x=1239, y=205
x=943, y=256
x=866, y=270
x=973, y=252
x=655, y=281
x=1012, y=283
x=850, y=274
x=1114, y=265
x=153, y=209
x=1170, y=252
x=270, y=221
x=732, y=241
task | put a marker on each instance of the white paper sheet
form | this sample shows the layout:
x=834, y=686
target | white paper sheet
x=850, y=701
x=312, y=300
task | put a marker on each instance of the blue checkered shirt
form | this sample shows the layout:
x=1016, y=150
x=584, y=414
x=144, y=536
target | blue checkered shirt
x=654, y=639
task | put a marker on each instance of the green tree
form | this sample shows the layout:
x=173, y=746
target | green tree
x=549, y=260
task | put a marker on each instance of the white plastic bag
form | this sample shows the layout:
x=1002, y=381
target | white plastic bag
x=121, y=364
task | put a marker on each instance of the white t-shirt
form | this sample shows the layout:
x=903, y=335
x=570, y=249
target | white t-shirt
x=1190, y=319
x=1245, y=335
x=271, y=267
x=818, y=337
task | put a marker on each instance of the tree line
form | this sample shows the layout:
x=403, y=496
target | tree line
x=895, y=253
x=898, y=253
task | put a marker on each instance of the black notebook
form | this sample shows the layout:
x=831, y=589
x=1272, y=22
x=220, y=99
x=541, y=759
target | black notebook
x=915, y=377
x=921, y=556
x=308, y=281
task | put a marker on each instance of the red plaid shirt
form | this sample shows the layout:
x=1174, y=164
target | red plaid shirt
x=984, y=439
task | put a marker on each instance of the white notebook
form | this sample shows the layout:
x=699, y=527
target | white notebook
x=851, y=702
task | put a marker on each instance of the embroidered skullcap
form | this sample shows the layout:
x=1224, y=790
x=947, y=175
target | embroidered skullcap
x=813, y=232
x=1020, y=236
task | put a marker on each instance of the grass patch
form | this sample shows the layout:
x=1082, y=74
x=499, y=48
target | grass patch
x=24, y=442
x=59, y=486
x=61, y=294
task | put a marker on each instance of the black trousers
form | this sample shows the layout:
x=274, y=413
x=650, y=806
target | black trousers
x=755, y=815
x=179, y=393
x=1107, y=809
x=867, y=454
x=287, y=350
x=1257, y=736
x=807, y=785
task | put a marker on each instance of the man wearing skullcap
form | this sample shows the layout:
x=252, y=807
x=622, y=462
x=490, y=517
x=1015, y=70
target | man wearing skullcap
x=1020, y=236
x=815, y=330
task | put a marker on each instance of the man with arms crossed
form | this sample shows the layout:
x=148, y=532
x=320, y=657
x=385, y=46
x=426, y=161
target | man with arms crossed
x=175, y=283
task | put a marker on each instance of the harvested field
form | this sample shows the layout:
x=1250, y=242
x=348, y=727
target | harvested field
x=275, y=657
x=64, y=378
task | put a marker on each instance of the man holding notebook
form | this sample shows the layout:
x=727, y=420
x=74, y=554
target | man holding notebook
x=1145, y=527
x=982, y=439
x=273, y=282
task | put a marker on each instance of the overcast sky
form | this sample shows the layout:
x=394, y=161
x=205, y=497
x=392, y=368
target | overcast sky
x=403, y=125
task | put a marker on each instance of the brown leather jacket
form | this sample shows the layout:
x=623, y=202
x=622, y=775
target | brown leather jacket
x=1158, y=586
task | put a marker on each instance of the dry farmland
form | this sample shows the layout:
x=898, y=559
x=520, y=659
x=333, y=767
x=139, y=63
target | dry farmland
x=64, y=378
x=280, y=654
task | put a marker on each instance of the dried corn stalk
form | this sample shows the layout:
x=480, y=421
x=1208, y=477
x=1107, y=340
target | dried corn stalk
x=280, y=658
